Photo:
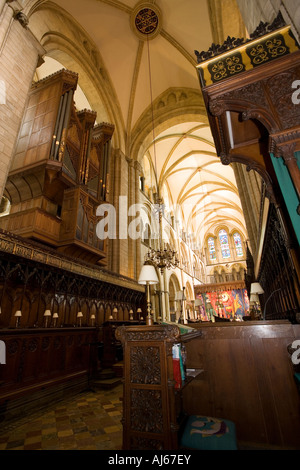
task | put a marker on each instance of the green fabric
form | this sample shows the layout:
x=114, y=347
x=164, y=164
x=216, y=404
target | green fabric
x=297, y=377
x=205, y=433
x=183, y=328
x=288, y=190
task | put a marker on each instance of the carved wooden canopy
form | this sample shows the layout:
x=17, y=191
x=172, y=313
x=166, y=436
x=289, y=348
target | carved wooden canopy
x=248, y=89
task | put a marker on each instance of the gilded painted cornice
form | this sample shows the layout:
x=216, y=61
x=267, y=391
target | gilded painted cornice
x=18, y=246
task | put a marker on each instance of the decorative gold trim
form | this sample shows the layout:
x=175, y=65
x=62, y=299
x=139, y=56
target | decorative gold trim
x=247, y=56
x=146, y=20
x=9, y=243
x=233, y=285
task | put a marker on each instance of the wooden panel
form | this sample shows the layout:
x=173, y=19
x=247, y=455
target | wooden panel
x=40, y=358
x=248, y=378
x=150, y=418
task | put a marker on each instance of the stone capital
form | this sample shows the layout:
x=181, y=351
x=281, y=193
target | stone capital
x=18, y=13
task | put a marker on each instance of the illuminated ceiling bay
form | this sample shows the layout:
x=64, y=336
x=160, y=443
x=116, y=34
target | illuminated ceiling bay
x=197, y=189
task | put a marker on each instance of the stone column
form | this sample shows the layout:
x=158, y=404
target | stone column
x=231, y=247
x=162, y=296
x=248, y=195
x=19, y=56
x=10, y=10
x=114, y=249
x=119, y=250
x=138, y=260
x=2, y=3
x=166, y=297
x=131, y=201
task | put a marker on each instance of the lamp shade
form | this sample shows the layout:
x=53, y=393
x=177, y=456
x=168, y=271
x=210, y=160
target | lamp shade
x=79, y=314
x=93, y=317
x=148, y=275
x=18, y=313
x=254, y=298
x=178, y=295
x=47, y=313
x=256, y=288
x=55, y=315
x=115, y=310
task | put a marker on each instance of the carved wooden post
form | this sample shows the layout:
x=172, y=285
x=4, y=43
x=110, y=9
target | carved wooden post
x=287, y=152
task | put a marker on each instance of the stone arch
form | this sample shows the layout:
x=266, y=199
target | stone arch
x=185, y=104
x=174, y=287
x=72, y=51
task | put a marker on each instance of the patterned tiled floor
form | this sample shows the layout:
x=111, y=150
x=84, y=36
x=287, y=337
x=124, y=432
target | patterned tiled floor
x=88, y=421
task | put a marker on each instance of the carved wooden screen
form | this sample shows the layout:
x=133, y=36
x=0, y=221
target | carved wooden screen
x=278, y=276
x=149, y=415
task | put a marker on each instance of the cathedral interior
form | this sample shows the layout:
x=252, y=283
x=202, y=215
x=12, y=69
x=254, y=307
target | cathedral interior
x=150, y=197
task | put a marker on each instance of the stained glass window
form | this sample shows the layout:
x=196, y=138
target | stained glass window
x=224, y=244
x=211, y=247
x=238, y=244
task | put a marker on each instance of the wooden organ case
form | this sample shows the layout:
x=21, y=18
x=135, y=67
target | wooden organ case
x=60, y=172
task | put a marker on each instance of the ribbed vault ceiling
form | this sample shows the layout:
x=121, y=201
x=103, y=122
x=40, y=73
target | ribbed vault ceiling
x=148, y=87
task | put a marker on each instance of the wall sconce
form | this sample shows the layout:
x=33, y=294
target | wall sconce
x=47, y=314
x=140, y=314
x=93, y=317
x=256, y=290
x=18, y=315
x=55, y=317
x=130, y=314
x=115, y=313
x=80, y=315
x=148, y=277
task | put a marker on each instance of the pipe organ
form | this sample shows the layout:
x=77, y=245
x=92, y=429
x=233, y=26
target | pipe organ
x=60, y=172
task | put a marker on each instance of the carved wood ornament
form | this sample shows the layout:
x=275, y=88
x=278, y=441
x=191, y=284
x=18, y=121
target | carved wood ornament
x=250, y=106
x=149, y=421
x=248, y=89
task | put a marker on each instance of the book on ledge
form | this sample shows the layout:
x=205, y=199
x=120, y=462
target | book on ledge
x=178, y=365
x=193, y=372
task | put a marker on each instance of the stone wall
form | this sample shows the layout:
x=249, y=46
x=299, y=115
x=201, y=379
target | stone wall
x=255, y=11
x=20, y=53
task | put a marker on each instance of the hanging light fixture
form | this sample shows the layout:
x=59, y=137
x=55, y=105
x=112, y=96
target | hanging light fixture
x=164, y=257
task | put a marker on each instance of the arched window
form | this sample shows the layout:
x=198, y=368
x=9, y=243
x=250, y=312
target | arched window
x=211, y=248
x=238, y=244
x=224, y=244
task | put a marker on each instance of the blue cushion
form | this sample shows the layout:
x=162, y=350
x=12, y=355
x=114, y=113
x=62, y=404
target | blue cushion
x=205, y=433
x=297, y=377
